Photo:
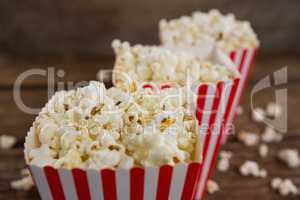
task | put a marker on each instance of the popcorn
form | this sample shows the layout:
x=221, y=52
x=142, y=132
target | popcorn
x=223, y=164
x=270, y=135
x=7, y=141
x=248, y=138
x=24, y=183
x=258, y=115
x=290, y=157
x=92, y=127
x=225, y=31
x=212, y=187
x=139, y=64
x=263, y=150
x=274, y=110
x=284, y=186
x=252, y=168
x=239, y=110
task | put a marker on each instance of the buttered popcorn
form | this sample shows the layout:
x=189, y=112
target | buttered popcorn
x=92, y=127
x=139, y=64
x=225, y=31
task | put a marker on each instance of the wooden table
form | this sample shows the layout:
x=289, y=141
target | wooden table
x=233, y=186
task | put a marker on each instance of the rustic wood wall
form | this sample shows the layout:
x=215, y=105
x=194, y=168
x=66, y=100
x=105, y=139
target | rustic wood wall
x=86, y=27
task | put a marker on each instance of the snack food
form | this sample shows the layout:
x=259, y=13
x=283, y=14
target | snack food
x=92, y=127
x=228, y=33
x=138, y=64
x=234, y=37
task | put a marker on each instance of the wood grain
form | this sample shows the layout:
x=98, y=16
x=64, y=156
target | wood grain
x=78, y=27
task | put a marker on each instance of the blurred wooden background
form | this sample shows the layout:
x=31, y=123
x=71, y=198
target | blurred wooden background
x=44, y=27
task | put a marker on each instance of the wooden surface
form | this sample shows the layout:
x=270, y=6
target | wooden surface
x=87, y=27
x=233, y=186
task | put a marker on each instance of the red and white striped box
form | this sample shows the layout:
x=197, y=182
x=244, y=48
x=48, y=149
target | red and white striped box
x=243, y=60
x=182, y=181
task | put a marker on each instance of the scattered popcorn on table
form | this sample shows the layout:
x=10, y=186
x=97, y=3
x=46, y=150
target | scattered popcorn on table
x=258, y=115
x=270, y=135
x=223, y=164
x=263, y=150
x=226, y=31
x=251, y=168
x=284, y=186
x=290, y=157
x=274, y=110
x=239, y=110
x=248, y=138
x=25, y=183
x=95, y=127
x=139, y=64
x=212, y=187
x=7, y=141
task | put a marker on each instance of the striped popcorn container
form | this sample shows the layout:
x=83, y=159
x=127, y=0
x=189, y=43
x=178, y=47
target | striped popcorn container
x=212, y=106
x=243, y=60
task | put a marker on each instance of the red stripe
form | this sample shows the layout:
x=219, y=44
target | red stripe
x=232, y=55
x=191, y=179
x=137, y=183
x=242, y=61
x=217, y=98
x=81, y=184
x=214, y=109
x=147, y=86
x=54, y=183
x=201, y=102
x=165, y=86
x=164, y=182
x=244, y=82
x=221, y=132
x=109, y=184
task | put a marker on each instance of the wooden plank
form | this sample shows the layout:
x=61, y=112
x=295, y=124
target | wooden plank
x=77, y=27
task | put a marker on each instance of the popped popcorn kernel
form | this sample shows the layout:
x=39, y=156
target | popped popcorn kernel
x=263, y=150
x=7, y=141
x=248, y=138
x=290, y=157
x=251, y=168
x=285, y=187
x=225, y=31
x=92, y=127
x=212, y=187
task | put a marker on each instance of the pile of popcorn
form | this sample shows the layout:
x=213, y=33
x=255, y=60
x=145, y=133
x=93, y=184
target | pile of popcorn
x=225, y=31
x=139, y=64
x=95, y=127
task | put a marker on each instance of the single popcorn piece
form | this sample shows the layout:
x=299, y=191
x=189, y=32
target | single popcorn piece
x=248, y=138
x=263, y=150
x=223, y=164
x=212, y=187
x=258, y=115
x=270, y=135
x=225, y=31
x=251, y=168
x=290, y=157
x=139, y=64
x=239, y=110
x=7, y=141
x=274, y=110
x=25, y=183
x=95, y=128
x=284, y=186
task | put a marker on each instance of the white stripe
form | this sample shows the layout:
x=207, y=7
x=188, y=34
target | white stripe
x=123, y=184
x=205, y=123
x=151, y=181
x=68, y=184
x=214, y=137
x=206, y=113
x=238, y=57
x=177, y=182
x=245, y=67
x=95, y=184
x=41, y=182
